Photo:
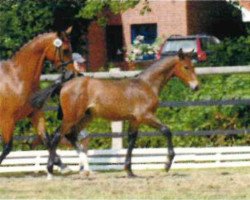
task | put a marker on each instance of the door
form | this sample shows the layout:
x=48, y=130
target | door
x=114, y=39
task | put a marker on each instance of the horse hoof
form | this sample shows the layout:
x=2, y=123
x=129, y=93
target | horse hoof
x=167, y=167
x=85, y=173
x=131, y=175
x=65, y=170
x=49, y=176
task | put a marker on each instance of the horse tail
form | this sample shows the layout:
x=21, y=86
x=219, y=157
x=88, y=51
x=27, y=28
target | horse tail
x=39, y=98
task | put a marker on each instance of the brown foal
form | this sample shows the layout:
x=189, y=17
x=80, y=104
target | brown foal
x=132, y=99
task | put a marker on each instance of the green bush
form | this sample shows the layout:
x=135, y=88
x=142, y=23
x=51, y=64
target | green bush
x=230, y=52
x=20, y=21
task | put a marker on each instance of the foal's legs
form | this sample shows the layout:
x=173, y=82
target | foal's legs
x=73, y=130
x=81, y=150
x=7, y=126
x=132, y=136
x=154, y=122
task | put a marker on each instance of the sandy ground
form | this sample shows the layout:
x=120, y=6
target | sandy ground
x=177, y=184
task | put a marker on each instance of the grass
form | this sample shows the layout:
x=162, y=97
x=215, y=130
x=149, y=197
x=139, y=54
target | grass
x=233, y=183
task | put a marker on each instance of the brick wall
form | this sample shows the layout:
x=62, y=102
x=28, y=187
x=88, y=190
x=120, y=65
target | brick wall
x=170, y=17
x=245, y=3
x=97, y=47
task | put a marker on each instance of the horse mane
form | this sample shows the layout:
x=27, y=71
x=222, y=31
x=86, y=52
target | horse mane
x=23, y=47
x=158, y=65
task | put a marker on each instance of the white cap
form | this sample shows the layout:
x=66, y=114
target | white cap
x=78, y=58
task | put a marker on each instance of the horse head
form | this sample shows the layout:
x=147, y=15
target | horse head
x=59, y=50
x=184, y=69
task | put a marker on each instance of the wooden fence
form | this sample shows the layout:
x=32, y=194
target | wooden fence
x=150, y=158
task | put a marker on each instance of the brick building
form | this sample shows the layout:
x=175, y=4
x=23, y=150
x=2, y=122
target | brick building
x=245, y=9
x=169, y=17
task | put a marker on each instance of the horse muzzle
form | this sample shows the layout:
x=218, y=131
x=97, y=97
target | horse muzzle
x=194, y=85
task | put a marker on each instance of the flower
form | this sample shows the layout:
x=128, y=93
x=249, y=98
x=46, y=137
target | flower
x=150, y=52
x=137, y=51
x=140, y=49
x=140, y=38
x=136, y=42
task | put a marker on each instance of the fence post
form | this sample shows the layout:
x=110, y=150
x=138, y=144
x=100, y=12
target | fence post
x=37, y=163
x=116, y=127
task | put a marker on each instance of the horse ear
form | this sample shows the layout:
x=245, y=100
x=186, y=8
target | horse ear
x=181, y=54
x=64, y=35
x=190, y=54
x=69, y=30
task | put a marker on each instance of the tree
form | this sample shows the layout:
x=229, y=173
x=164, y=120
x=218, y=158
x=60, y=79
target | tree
x=21, y=20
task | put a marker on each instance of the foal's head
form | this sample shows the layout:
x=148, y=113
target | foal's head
x=184, y=69
x=59, y=50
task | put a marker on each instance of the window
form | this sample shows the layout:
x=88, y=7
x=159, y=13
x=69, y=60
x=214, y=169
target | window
x=176, y=45
x=149, y=31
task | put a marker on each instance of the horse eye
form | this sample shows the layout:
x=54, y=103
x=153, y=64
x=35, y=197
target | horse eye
x=186, y=67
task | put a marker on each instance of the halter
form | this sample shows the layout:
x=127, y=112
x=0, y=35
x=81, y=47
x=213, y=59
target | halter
x=58, y=44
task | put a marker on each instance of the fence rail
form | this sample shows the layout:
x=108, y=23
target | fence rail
x=126, y=74
x=150, y=158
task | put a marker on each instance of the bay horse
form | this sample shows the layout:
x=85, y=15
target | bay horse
x=133, y=99
x=20, y=77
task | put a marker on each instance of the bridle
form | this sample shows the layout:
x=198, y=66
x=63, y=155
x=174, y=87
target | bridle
x=63, y=64
x=58, y=44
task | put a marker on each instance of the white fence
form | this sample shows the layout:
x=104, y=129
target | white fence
x=149, y=158
x=124, y=74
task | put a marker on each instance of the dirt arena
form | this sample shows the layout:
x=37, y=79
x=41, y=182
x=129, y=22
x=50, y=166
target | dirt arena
x=226, y=183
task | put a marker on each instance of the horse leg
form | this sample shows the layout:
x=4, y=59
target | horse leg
x=81, y=151
x=38, y=121
x=154, y=122
x=73, y=137
x=7, y=132
x=53, y=157
x=132, y=136
x=65, y=127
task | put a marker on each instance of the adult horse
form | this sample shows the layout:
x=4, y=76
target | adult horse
x=20, y=79
x=134, y=99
